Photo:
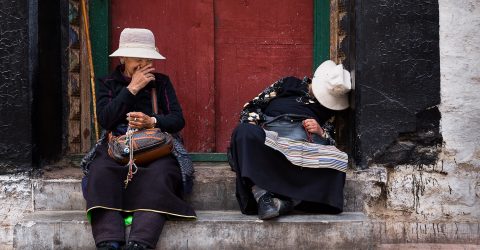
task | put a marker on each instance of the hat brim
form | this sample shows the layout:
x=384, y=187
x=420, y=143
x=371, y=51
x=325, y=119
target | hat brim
x=138, y=53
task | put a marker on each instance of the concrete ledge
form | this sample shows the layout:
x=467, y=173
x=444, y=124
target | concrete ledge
x=212, y=230
x=232, y=230
x=426, y=246
x=445, y=232
x=57, y=194
x=214, y=189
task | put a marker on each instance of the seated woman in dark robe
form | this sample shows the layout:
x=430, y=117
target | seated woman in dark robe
x=154, y=192
x=278, y=168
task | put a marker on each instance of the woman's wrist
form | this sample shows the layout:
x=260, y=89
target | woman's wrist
x=322, y=133
x=132, y=90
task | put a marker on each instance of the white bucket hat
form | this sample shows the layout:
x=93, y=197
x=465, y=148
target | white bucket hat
x=138, y=43
x=331, y=84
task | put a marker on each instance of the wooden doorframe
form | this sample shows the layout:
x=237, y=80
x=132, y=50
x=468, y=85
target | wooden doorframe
x=325, y=44
x=337, y=35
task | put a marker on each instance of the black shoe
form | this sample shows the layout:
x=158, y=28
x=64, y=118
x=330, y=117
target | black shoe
x=108, y=245
x=132, y=245
x=286, y=206
x=267, y=207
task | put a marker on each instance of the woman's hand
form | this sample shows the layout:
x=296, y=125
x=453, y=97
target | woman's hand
x=140, y=120
x=312, y=126
x=141, y=77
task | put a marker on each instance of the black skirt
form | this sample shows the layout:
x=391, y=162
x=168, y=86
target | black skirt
x=320, y=190
x=156, y=187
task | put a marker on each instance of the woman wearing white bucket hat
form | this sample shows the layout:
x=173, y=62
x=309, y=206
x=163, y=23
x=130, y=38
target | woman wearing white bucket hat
x=283, y=151
x=124, y=100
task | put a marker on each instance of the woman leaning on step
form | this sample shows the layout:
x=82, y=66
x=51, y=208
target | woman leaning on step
x=154, y=194
x=283, y=150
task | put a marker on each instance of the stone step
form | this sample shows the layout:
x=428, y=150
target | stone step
x=214, y=189
x=212, y=230
x=427, y=246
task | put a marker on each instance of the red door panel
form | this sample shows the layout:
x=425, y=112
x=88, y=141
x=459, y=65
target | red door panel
x=184, y=35
x=256, y=43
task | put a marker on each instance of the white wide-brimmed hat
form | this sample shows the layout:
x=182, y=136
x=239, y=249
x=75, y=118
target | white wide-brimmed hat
x=331, y=84
x=138, y=43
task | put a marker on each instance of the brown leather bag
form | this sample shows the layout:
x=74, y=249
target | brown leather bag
x=148, y=144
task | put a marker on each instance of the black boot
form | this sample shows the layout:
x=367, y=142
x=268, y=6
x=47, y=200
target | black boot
x=108, y=245
x=132, y=245
x=286, y=206
x=267, y=207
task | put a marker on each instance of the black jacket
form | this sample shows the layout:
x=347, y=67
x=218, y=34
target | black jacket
x=114, y=101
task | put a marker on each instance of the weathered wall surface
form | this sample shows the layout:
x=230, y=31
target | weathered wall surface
x=460, y=92
x=448, y=190
x=15, y=87
x=16, y=147
x=16, y=199
x=460, y=65
x=397, y=82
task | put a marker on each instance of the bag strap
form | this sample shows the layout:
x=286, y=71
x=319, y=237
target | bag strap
x=287, y=116
x=154, y=101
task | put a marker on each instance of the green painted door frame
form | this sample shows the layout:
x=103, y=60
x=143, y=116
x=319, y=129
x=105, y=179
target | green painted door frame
x=100, y=34
x=321, y=32
x=99, y=20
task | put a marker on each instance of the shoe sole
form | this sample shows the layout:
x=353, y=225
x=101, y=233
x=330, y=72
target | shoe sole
x=269, y=216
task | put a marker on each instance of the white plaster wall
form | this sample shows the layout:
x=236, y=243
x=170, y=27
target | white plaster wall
x=460, y=79
x=460, y=106
x=16, y=199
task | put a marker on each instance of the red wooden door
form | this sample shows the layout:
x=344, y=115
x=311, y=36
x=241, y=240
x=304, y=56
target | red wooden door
x=256, y=43
x=221, y=54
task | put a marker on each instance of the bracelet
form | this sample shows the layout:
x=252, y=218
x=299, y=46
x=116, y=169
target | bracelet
x=154, y=121
x=324, y=134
